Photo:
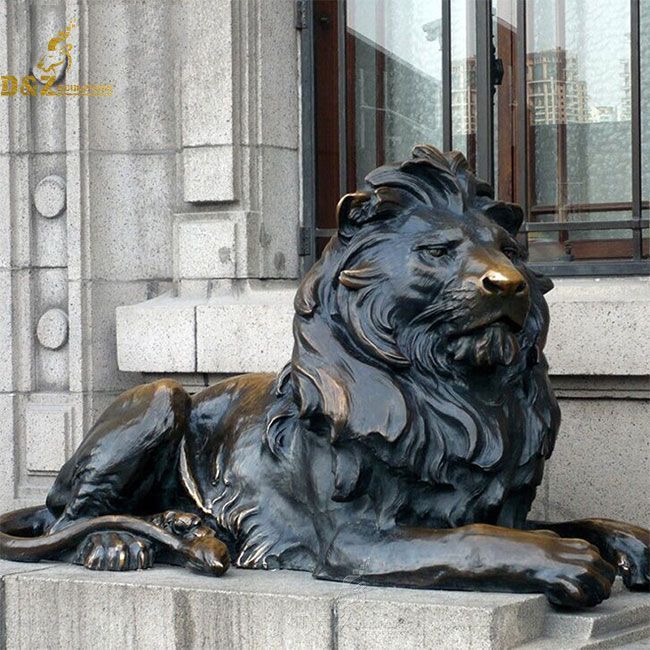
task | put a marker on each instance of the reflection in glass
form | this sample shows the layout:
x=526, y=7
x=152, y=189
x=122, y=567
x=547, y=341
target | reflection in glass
x=395, y=91
x=579, y=122
x=463, y=78
x=578, y=82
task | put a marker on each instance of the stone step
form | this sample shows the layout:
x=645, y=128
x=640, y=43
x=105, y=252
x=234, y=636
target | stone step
x=60, y=606
x=635, y=638
x=621, y=620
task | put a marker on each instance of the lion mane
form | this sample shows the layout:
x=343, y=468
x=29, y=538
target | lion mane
x=391, y=389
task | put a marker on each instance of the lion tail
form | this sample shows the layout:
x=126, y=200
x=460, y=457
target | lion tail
x=23, y=538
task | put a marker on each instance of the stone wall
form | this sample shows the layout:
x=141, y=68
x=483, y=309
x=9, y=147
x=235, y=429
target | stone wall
x=185, y=180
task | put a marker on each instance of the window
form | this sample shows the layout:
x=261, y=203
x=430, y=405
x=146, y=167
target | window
x=548, y=99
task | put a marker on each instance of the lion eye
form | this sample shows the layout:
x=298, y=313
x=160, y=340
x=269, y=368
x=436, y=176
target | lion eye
x=510, y=253
x=436, y=251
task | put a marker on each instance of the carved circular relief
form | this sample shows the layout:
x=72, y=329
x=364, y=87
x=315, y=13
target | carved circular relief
x=52, y=329
x=49, y=196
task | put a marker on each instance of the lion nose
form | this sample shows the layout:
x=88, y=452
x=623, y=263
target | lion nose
x=502, y=283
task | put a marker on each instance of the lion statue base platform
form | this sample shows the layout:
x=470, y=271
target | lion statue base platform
x=170, y=608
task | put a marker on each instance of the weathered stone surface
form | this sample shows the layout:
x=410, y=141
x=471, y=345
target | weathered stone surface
x=434, y=619
x=6, y=332
x=207, y=248
x=7, y=442
x=208, y=174
x=70, y=607
x=130, y=210
x=167, y=609
x=250, y=332
x=598, y=326
x=207, y=72
x=601, y=460
x=134, y=51
x=159, y=332
x=279, y=236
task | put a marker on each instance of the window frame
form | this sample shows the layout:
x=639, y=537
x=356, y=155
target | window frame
x=320, y=225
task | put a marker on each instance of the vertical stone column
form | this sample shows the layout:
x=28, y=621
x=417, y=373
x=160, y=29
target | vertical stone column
x=240, y=118
x=42, y=398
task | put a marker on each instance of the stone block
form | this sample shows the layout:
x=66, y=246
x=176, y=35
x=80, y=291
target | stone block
x=4, y=101
x=599, y=467
x=47, y=429
x=130, y=197
x=133, y=48
x=47, y=435
x=163, y=608
x=157, y=335
x=47, y=20
x=22, y=316
x=101, y=344
x=5, y=210
x=280, y=208
x=208, y=174
x=6, y=332
x=251, y=332
x=49, y=290
x=278, y=70
x=60, y=606
x=598, y=326
x=401, y=618
x=19, y=210
x=214, y=246
x=207, y=249
x=48, y=217
x=207, y=73
x=7, y=463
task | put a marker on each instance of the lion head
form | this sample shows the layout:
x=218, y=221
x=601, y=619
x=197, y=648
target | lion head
x=420, y=330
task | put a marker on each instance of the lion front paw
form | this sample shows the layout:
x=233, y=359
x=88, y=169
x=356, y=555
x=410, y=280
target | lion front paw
x=115, y=551
x=578, y=576
x=628, y=547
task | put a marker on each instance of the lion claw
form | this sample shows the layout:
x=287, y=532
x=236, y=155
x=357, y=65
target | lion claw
x=115, y=551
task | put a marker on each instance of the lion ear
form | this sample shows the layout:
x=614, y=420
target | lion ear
x=509, y=216
x=346, y=205
x=355, y=398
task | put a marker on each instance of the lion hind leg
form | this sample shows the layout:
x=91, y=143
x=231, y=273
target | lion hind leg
x=126, y=462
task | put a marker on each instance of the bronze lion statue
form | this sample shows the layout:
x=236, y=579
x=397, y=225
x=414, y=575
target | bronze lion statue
x=401, y=446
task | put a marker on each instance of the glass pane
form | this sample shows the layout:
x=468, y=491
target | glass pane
x=580, y=245
x=578, y=84
x=394, y=71
x=463, y=78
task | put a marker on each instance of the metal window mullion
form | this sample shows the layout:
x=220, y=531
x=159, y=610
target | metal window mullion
x=446, y=75
x=484, y=110
x=522, y=110
x=635, y=116
x=343, y=107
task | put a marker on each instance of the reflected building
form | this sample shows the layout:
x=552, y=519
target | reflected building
x=555, y=93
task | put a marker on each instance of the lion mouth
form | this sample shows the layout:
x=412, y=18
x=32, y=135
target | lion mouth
x=488, y=343
x=506, y=321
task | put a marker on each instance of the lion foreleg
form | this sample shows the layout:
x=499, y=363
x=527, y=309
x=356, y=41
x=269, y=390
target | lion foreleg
x=480, y=557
